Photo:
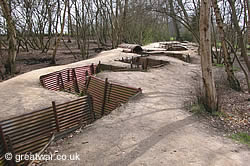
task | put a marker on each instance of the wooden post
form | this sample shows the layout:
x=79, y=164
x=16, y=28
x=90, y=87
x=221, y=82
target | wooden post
x=87, y=83
x=3, y=140
x=42, y=82
x=92, y=70
x=61, y=85
x=86, y=75
x=142, y=65
x=55, y=115
x=98, y=68
x=11, y=150
x=104, y=95
x=90, y=102
x=75, y=81
x=5, y=145
x=68, y=75
x=84, y=90
x=146, y=64
x=58, y=81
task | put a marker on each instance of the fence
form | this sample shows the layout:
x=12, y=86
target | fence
x=70, y=79
x=29, y=133
x=107, y=96
x=2, y=153
x=142, y=63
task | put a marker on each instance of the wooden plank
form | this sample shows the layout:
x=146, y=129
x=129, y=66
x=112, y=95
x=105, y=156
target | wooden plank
x=104, y=95
x=55, y=114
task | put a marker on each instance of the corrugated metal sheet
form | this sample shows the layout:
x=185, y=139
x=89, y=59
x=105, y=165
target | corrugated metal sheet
x=70, y=80
x=107, y=99
x=29, y=133
x=133, y=48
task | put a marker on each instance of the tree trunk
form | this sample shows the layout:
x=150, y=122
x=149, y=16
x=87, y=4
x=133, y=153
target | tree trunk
x=234, y=83
x=248, y=22
x=11, y=61
x=180, y=3
x=177, y=31
x=240, y=35
x=53, y=60
x=209, y=91
x=69, y=24
x=124, y=21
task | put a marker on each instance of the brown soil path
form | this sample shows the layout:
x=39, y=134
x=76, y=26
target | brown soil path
x=154, y=129
x=23, y=94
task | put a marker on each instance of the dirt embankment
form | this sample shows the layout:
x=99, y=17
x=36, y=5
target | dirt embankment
x=154, y=129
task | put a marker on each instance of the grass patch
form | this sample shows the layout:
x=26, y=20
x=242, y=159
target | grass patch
x=218, y=44
x=243, y=138
x=236, y=68
x=219, y=114
x=197, y=108
x=222, y=65
x=219, y=65
x=172, y=38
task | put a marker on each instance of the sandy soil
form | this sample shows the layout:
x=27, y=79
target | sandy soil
x=23, y=93
x=154, y=129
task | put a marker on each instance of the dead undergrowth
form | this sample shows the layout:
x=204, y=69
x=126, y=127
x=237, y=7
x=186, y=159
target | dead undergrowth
x=233, y=116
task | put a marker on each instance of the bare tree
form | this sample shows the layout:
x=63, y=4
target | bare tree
x=248, y=23
x=239, y=32
x=209, y=91
x=234, y=83
x=11, y=61
x=53, y=60
x=172, y=12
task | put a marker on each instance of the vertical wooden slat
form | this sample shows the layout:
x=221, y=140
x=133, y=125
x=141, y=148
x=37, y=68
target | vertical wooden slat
x=61, y=84
x=87, y=82
x=86, y=75
x=146, y=64
x=5, y=145
x=104, y=95
x=75, y=81
x=55, y=115
x=90, y=102
x=98, y=69
x=11, y=150
x=92, y=70
x=68, y=75
x=3, y=139
x=42, y=82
